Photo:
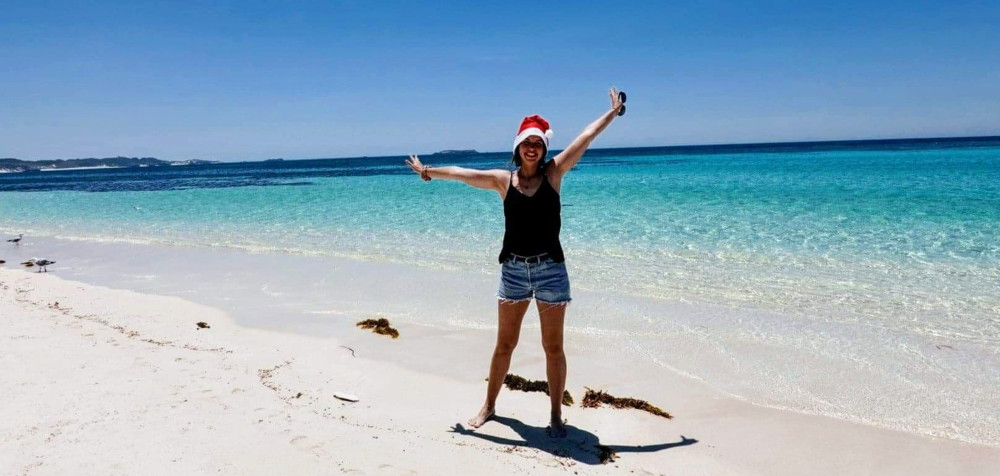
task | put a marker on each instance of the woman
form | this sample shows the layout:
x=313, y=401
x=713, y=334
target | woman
x=532, y=258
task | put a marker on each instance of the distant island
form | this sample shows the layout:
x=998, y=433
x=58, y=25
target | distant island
x=11, y=165
x=457, y=152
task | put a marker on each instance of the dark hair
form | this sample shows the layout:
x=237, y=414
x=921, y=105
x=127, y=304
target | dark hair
x=516, y=158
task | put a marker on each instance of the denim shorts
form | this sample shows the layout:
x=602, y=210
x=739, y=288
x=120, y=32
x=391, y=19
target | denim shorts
x=546, y=281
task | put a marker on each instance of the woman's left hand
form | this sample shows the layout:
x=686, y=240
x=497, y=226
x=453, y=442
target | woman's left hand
x=616, y=102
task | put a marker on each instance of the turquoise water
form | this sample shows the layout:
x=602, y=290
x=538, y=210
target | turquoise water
x=849, y=234
x=876, y=255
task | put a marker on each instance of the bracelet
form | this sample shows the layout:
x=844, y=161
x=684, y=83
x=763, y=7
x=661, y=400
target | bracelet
x=423, y=173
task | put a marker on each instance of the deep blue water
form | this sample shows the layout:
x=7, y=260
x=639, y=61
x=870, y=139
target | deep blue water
x=299, y=172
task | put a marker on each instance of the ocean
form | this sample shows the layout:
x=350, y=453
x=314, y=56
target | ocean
x=878, y=261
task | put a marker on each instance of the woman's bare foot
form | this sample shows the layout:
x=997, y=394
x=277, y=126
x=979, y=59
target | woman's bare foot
x=557, y=429
x=484, y=416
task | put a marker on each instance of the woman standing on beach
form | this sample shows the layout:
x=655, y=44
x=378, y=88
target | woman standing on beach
x=532, y=258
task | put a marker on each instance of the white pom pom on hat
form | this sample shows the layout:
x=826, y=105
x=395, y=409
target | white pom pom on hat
x=533, y=126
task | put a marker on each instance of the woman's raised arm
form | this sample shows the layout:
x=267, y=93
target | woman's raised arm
x=495, y=180
x=568, y=158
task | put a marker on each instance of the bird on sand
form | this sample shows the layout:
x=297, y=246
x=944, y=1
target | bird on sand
x=42, y=263
x=16, y=241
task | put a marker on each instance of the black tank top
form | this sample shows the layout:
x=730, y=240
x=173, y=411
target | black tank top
x=532, y=223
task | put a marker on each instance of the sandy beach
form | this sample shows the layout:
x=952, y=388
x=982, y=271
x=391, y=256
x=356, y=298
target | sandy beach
x=111, y=381
x=765, y=237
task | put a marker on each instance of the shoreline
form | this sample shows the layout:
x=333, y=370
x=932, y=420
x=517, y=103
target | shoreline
x=324, y=296
x=733, y=437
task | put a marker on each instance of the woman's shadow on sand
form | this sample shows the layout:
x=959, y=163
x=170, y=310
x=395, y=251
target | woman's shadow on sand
x=580, y=445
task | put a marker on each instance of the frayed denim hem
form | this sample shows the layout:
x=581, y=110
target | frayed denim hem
x=550, y=305
x=504, y=300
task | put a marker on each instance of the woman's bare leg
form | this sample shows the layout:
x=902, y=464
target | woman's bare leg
x=552, y=317
x=510, y=315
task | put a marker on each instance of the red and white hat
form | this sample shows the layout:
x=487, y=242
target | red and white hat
x=533, y=126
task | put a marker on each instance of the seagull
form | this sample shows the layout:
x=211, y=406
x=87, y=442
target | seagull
x=42, y=263
x=30, y=262
x=16, y=241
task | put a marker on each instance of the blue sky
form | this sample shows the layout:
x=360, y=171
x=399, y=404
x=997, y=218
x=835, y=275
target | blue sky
x=253, y=80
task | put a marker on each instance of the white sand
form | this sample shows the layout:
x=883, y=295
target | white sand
x=116, y=382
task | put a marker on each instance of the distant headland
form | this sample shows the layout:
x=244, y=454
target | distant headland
x=457, y=152
x=10, y=165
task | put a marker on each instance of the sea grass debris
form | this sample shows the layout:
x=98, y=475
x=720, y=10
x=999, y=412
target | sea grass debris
x=379, y=326
x=516, y=382
x=594, y=399
x=606, y=454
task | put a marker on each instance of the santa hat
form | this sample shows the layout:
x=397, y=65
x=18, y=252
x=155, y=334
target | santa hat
x=533, y=126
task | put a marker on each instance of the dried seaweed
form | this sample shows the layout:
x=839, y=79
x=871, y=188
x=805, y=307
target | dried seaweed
x=516, y=382
x=594, y=399
x=567, y=398
x=606, y=454
x=379, y=326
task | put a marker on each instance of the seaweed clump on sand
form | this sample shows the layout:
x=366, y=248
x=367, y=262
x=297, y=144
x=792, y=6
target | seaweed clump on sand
x=606, y=454
x=379, y=326
x=594, y=399
x=516, y=382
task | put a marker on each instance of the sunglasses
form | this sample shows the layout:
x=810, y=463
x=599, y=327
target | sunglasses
x=622, y=97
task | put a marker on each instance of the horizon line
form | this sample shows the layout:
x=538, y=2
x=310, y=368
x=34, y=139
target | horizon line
x=677, y=146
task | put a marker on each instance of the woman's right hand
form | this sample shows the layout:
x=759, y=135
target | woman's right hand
x=414, y=163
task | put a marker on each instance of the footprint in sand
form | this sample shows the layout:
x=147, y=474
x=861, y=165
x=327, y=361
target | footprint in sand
x=302, y=443
x=384, y=468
